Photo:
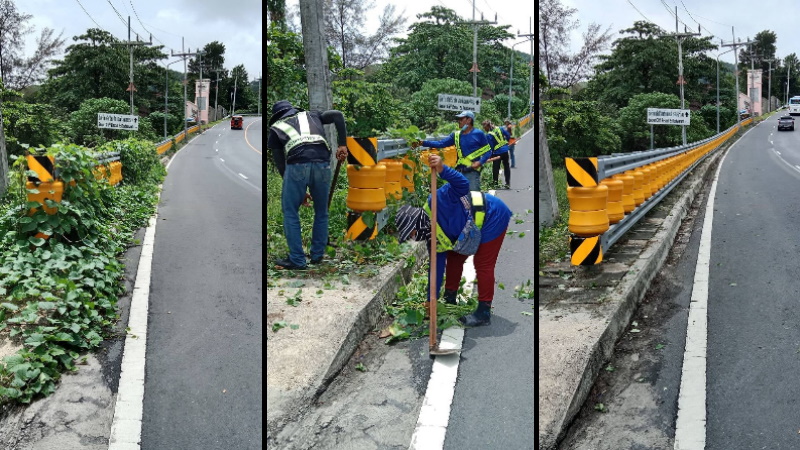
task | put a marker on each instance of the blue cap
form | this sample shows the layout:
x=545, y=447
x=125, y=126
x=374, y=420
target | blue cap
x=469, y=114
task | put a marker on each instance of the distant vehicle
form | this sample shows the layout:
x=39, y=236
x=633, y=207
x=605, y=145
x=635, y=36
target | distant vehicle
x=786, y=123
x=236, y=122
x=794, y=106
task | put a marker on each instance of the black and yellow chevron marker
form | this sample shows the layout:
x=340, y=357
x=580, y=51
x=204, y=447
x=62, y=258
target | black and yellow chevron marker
x=362, y=151
x=44, y=166
x=357, y=230
x=581, y=172
x=585, y=251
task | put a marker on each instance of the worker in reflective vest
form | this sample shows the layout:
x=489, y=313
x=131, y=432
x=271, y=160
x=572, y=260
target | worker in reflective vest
x=303, y=158
x=513, y=132
x=455, y=204
x=498, y=141
x=471, y=146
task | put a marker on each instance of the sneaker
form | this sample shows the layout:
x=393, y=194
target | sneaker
x=481, y=317
x=286, y=264
x=316, y=260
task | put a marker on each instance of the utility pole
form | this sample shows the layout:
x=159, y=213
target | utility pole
x=216, y=96
x=788, y=81
x=233, y=106
x=769, y=86
x=166, y=95
x=474, y=68
x=259, y=94
x=680, y=37
x=530, y=63
x=736, y=46
x=201, y=100
x=184, y=55
x=511, y=79
x=131, y=44
x=316, y=52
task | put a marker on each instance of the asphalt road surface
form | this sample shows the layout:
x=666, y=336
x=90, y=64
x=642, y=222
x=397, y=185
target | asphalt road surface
x=204, y=352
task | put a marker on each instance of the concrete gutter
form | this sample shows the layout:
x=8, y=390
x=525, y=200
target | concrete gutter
x=584, y=310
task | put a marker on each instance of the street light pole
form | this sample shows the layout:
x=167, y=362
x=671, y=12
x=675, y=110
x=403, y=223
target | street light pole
x=511, y=79
x=166, y=94
x=726, y=51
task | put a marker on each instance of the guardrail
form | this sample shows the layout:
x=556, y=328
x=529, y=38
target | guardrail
x=609, y=194
x=166, y=144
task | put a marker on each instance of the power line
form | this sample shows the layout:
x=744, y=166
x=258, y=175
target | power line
x=143, y=27
x=118, y=14
x=669, y=10
x=90, y=16
x=640, y=13
x=695, y=20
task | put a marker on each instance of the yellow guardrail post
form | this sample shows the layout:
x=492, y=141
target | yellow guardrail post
x=367, y=191
x=588, y=215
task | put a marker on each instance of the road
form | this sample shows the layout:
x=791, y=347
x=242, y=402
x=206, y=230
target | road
x=747, y=239
x=203, y=368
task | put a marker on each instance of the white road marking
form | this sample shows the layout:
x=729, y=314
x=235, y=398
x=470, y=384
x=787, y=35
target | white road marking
x=435, y=412
x=240, y=174
x=222, y=160
x=690, y=426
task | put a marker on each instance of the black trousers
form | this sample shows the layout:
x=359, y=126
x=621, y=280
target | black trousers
x=506, y=169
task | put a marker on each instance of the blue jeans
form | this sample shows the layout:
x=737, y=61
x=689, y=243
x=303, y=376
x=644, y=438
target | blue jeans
x=511, y=151
x=316, y=178
x=474, y=178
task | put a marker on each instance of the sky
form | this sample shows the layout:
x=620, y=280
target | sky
x=199, y=22
x=520, y=14
x=715, y=16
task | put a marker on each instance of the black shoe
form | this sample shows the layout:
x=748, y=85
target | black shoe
x=288, y=265
x=450, y=297
x=316, y=260
x=481, y=317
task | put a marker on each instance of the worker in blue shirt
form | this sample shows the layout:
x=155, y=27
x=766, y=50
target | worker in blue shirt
x=498, y=141
x=455, y=203
x=471, y=146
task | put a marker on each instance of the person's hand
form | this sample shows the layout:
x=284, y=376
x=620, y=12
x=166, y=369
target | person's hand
x=435, y=162
x=476, y=164
x=307, y=200
x=341, y=153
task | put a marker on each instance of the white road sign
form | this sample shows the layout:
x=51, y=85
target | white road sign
x=117, y=121
x=451, y=102
x=660, y=116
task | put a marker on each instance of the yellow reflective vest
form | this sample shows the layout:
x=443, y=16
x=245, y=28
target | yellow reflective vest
x=443, y=243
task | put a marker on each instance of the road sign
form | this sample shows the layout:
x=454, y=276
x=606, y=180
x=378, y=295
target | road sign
x=117, y=121
x=451, y=102
x=660, y=116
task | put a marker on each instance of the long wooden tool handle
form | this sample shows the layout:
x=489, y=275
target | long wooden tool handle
x=432, y=277
x=333, y=183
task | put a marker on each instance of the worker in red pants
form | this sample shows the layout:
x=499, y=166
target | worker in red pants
x=456, y=206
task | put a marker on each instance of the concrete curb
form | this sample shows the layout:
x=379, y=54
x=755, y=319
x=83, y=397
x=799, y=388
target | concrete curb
x=352, y=332
x=369, y=315
x=630, y=291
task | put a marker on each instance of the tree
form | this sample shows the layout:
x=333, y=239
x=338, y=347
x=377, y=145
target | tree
x=16, y=71
x=643, y=62
x=344, y=25
x=579, y=128
x=83, y=128
x=368, y=108
x=562, y=68
x=424, y=109
x=276, y=12
x=286, y=77
x=440, y=46
x=212, y=61
x=32, y=124
x=634, y=130
x=97, y=67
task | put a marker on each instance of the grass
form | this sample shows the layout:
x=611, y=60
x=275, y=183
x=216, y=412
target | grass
x=554, y=240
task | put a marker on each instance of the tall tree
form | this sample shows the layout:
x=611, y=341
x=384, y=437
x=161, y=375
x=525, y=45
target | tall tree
x=562, y=67
x=344, y=25
x=276, y=12
x=212, y=61
x=16, y=71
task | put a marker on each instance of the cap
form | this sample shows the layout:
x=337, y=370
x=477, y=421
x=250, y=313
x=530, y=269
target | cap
x=469, y=114
x=279, y=109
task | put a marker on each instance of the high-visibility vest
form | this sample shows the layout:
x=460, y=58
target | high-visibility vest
x=498, y=136
x=472, y=157
x=301, y=131
x=478, y=208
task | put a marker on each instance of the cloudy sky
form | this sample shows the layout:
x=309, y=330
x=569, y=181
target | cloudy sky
x=236, y=24
x=520, y=14
x=715, y=16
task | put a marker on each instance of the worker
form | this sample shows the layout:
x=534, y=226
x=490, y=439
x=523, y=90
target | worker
x=471, y=145
x=456, y=204
x=303, y=158
x=498, y=141
x=512, y=140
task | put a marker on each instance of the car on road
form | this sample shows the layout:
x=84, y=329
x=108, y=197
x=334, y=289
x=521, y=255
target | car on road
x=236, y=122
x=786, y=123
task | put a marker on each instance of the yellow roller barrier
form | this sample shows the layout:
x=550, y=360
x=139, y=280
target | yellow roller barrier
x=628, y=203
x=616, y=211
x=588, y=214
x=366, y=177
x=638, y=179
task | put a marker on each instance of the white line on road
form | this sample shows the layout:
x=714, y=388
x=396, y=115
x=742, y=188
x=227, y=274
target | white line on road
x=222, y=160
x=435, y=412
x=690, y=426
x=240, y=174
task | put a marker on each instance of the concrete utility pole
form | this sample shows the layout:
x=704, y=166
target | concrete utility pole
x=680, y=37
x=166, y=95
x=233, y=104
x=216, y=96
x=736, y=46
x=769, y=86
x=259, y=94
x=788, y=82
x=548, y=203
x=511, y=78
x=726, y=51
x=131, y=44
x=474, y=68
x=316, y=51
x=530, y=63
x=184, y=55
